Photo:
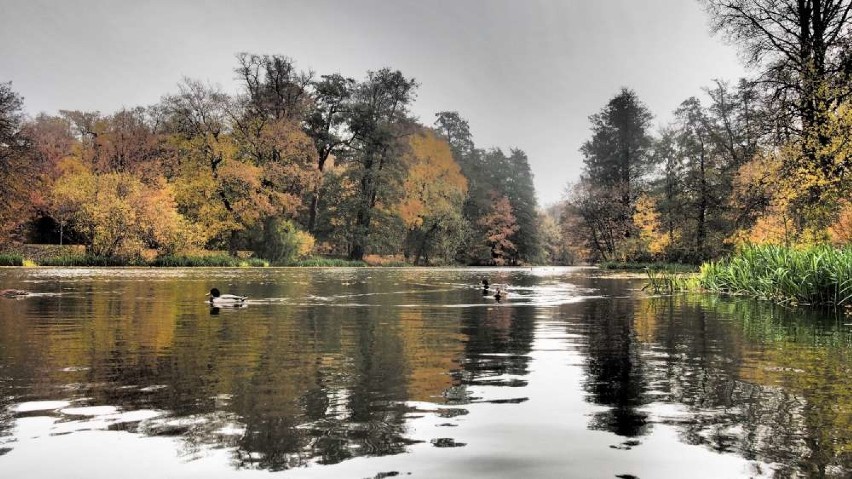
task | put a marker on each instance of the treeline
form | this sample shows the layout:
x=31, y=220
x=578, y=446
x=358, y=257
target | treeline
x=293, y=165
x=766, y=160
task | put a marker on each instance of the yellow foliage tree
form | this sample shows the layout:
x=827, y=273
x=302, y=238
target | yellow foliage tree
x=647, y=221
x=841, y=231
x=434, y=191
x=120, y=216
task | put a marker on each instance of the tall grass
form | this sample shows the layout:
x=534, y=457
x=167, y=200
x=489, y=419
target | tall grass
x=200, y=261
x=668, y=282
x=11, y=259
x=88, y=260
x=328, y=262
x=657, y=266
x=812, y=275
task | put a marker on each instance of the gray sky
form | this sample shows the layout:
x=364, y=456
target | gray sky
x=525, y=73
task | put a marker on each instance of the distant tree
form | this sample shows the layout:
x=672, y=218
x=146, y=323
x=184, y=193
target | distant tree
x=119, y=216
x=434, y=192
x=700, y=160
x=596, y=213
x=378, y=120
x=16, y=172
x=456, y=131
x=499, y=225
x=326, y=125
x=555, y=247
x=618, y=156
x=275, y=89
x=217, y=185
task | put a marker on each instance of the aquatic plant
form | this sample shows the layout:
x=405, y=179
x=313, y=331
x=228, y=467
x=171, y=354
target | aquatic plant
x=328, y=262
x=657, y=266
x=811, y=275
x=669, y=281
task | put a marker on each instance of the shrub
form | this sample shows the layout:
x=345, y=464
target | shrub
x=283, y=243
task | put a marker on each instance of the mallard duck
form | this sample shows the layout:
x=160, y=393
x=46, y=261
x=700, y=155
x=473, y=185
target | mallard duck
x=217, y=298
x=14, y=293
x=500, y=294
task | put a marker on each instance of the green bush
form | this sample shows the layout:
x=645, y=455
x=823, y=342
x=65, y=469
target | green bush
x=282, y=243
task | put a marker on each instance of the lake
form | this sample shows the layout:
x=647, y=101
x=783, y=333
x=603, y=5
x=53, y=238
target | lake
x=377, y=373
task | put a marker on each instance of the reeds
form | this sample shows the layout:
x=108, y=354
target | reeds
x=812, y=275
x=206, y=261
x=328, y=262
x=656, y=266
x=669, y=281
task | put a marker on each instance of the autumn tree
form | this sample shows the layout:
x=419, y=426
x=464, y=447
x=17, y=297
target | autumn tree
x=213, y=186
x=119, y=216
x=16, y=174
x=434, y=192
x=499, y=225
x=801, y=48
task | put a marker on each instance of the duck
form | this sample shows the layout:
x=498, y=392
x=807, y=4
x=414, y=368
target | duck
x=218, y=298
x=485, y=283
x=500, y=294
x=14, y=293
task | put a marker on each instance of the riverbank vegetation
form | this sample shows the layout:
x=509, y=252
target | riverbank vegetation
x=813, y=275
x=816, y=275
x=293, y=166
x=753, y=179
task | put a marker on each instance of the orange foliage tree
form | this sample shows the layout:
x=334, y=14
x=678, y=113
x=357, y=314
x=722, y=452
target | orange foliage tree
x=434, y=193
x=499, y=226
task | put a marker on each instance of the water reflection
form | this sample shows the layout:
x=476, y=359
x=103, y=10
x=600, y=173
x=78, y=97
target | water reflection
x=616, y=376
x=328, y=365
x=764, y=381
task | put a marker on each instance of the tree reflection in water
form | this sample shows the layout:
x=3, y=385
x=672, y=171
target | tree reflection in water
x=295, y=380
x=767, y=382
x=616, y=376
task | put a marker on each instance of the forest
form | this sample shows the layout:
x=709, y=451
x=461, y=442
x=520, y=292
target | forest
x=298, y=165
x=765, y=160
x=294, y=165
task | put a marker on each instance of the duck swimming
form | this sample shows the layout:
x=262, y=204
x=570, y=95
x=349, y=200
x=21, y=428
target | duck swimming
x=500, y=294
x=14, y=293
x=218, y=298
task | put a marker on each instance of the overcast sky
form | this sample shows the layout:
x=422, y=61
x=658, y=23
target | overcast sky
x=525, y=73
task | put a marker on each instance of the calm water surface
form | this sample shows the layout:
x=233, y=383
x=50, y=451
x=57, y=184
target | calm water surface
x=375, y=373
